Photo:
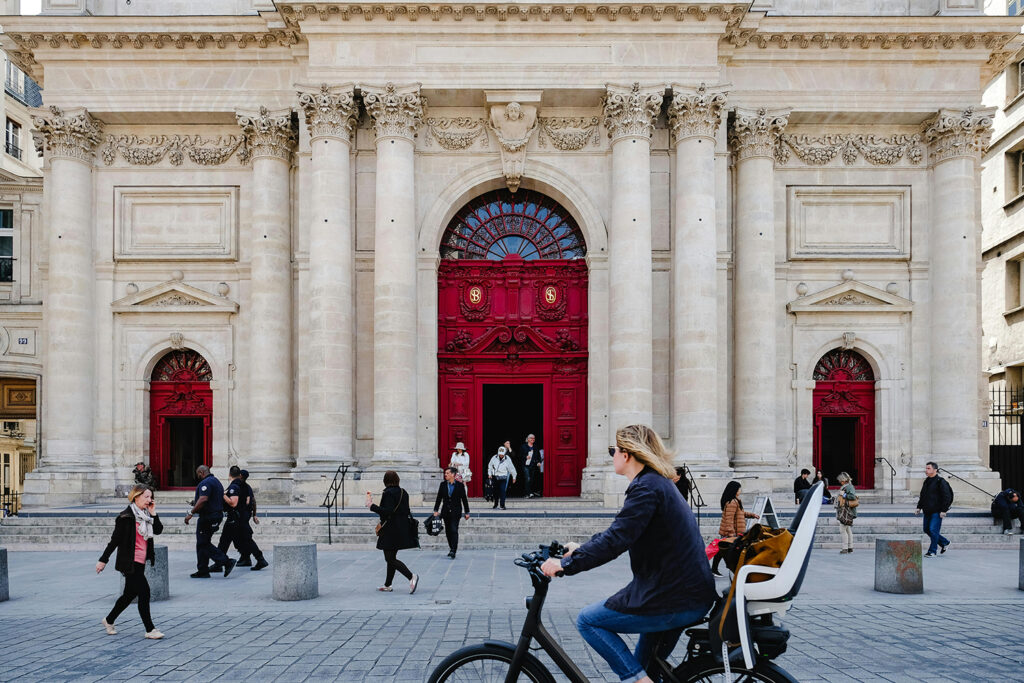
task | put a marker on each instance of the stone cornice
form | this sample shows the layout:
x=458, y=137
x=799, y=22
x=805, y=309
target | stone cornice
x=329, y=111
x=755, y=37
x=630, y=111
x=268, y=133
x=696, y=113
x=957, y=133
x=67, y=134
x=396, y=110
x=755, y=132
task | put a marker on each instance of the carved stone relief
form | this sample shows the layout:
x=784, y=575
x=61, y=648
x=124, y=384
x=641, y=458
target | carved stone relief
x=876, y=150
x=458, y=133
x=513, y=124
x=329, y=112
x=149, y=150
x=631, y=111
x=954, y=133
x=72, y=134
x=396, y=111
x=694, y=113
x=269, y=133
x=569, y=134
x=755, y=132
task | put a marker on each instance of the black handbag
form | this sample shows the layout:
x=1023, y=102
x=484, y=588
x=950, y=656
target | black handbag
x=433, y=525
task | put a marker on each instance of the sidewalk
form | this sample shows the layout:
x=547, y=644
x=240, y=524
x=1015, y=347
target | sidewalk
x=966, y=627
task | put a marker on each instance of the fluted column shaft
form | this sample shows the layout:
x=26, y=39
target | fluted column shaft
x=957, y=139
x=330, y=115
x=396, y=113
x=70, y=138
x=629, y=118
x=695, y=117
x=753, y=137
x=271, y=139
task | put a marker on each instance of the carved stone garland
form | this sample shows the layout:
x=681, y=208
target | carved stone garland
x=73, y=134
x=146, y=151
x=880, y=151
x=954, y=133
x=269, y=133
x=330, y=112
x=569, y=134
x=457, y=133
x=396, y=111
x=755, y=133
x=631, y=112
x=696, y=113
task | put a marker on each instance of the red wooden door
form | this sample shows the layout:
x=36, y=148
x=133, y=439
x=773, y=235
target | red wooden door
x=844, y=417
x=180, y=418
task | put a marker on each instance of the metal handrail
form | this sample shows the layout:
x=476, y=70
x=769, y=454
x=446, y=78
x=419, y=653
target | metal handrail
x=892, y=478
x=952, y=474
x=10, y=504
x=695, y=496
x=331, y=498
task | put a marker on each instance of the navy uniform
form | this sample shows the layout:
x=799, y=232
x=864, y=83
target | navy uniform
x=237, y=529
x=210, y=517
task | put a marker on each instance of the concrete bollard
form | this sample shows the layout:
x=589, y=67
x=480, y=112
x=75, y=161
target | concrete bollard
x=5, y=592
x=295, y=571
x=1020, y=571
x=898, y=566
x=157, y=575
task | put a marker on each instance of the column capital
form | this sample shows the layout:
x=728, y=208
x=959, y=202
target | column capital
x=755, y=132
x=67, y=134
x=268, y=133
x=696, y=112
x=630, y=111
x=956, y=133
x=396, y=110
x=330, y=110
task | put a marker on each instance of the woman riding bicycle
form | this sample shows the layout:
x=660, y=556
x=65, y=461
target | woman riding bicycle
x=672, y=585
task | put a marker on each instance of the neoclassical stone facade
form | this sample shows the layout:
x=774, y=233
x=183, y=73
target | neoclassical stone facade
x=779, y=217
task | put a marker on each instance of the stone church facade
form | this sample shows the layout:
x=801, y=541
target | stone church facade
x=298, y=235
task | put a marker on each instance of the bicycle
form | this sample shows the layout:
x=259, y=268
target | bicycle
x=495, y=660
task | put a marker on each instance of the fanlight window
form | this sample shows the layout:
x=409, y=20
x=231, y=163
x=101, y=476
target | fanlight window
x=182, y=366
x=842, y=365
x=500, y=223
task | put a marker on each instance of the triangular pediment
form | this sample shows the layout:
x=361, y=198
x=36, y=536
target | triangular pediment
x=174, y=297
x=851, y=297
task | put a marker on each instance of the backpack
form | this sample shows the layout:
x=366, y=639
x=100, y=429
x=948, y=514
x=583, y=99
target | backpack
x=760, y=545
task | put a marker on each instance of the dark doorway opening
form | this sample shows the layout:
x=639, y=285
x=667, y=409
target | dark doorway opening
x=839, y=447
x=511, y=412
x=185, y=448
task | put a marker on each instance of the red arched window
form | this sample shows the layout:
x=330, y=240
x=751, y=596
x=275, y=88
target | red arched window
x=842, y=365
x=182, y=366
x=500, y=223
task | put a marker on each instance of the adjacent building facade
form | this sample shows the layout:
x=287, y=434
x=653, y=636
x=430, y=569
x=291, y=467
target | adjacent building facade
x=299, y=235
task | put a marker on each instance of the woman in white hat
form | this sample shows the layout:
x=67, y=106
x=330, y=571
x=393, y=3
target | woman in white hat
x=460, y=460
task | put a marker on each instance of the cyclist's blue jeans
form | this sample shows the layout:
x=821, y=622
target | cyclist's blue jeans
x=600, y=627
x=933, y=527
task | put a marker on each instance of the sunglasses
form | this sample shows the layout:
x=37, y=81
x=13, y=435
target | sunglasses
x=611, y=451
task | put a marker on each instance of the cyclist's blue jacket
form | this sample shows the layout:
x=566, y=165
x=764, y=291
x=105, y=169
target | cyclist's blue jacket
x=666, y=551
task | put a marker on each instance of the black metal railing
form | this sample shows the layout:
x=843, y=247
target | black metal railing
x=695, y=500
x=331, y=498
x=10, y=504
x=1006, y=446
x=892, y=478
x=959, y=478
x=13, y=149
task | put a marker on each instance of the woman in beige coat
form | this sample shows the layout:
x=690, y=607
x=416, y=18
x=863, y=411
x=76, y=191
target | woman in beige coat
x=734, y=519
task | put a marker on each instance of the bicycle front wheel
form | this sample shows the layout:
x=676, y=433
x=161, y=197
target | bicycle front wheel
x=707, y=671
x=487, y=663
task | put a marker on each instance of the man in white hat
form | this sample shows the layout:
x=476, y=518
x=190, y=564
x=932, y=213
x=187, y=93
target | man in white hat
x=500, y=470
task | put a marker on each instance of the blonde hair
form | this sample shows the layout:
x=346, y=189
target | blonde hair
x=844, y=478
x=644, y=444
x=137, y=491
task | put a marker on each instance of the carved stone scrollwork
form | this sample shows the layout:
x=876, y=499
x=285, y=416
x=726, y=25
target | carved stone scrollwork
x=396, y=111
x=457, y=133
x=568, y=134
x=70, y=134
x=631, y=112
x=755, y=132
x=513, y=125
x=269, y=133
x=177, y=340
x=880, y=151
x=330, y=111
x=696, y=113
x=146, y=151
x=954, y=133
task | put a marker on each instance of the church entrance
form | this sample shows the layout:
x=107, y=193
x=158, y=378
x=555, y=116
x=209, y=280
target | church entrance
x=844, y=417
x=180, y=418
x=512, y=336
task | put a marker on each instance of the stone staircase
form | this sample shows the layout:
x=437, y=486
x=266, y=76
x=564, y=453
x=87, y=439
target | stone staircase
x=523, y=525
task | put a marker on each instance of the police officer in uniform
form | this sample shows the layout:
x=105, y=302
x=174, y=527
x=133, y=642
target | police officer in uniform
x=237, y=529
x=209, y=503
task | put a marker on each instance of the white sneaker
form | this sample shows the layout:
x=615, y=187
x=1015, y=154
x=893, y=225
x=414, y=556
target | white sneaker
x=1009, y=532
x=154, y=635
x=111, y=631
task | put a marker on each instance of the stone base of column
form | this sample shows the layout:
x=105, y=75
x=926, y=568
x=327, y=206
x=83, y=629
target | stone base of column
x=420, y=484
x=55, y=489
x=762, y=479
x=601, y=485
x=311, y=482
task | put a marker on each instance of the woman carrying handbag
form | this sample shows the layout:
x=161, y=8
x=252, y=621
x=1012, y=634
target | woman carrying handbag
x=846, y=511
x=395, y=532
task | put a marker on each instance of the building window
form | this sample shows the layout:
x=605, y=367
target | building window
x=13, y=139
x=6, y=245
x=1014, y=284
x=1014, y=7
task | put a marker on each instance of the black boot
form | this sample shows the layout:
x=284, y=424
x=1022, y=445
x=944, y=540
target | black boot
x=261, y=562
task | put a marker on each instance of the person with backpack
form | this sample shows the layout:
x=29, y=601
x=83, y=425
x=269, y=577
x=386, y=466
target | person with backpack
x=846, y=503
x=935, y=500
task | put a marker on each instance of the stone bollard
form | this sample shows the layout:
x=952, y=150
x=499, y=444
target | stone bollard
x=295, y=571
x=157, y=575
x=5, y=593
x=898, y=566
x=1020, y=571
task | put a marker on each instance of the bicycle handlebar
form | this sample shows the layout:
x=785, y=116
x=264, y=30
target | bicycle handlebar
x=533, y=561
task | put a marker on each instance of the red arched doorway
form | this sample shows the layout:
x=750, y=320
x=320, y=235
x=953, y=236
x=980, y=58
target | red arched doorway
x=512, y=335
x=844, y=417
x=180, y=418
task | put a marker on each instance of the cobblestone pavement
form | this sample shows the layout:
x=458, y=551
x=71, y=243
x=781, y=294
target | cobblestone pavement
x=966, y=627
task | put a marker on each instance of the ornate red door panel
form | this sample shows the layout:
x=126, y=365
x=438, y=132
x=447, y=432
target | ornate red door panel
x=514, y=322
x=844, y=417
x=180, y=418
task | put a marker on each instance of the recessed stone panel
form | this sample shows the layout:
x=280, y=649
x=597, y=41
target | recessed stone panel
x=851, y=222
x=179, y=223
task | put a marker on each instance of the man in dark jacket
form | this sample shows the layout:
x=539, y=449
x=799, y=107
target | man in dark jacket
x=801, y=485
x=451, y=504
x=209, y=503
x=236, y=527
x=529, y=463
x=1005, y=507
x=935, y=500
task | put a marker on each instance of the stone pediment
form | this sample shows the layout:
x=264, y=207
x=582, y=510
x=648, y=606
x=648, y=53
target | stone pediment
x=851, y=297
x=174, y=297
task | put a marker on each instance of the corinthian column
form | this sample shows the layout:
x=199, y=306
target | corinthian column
x=330, y=114
x=70, y=138
x=396, y=114
x=629, y=117
x=695, y=116
x=956, y=140
x=271, y=138
x=753, y=137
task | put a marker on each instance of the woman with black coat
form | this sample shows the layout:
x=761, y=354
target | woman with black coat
x=134, y=529
x=396, y=533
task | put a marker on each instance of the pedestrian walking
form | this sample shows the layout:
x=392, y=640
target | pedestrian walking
x=682, y=482
x=236, y=524
x=451, y=505
x=394, y=533
x=801, y=485
x=134, y=529
x=499, y=471
x=1007, y=506
x=846, y=511
x=460, y=461
x=734, y=521
x=209, y=503
x=245, y=560
x=530, y=457
x=935, y=500
x=825, y=494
